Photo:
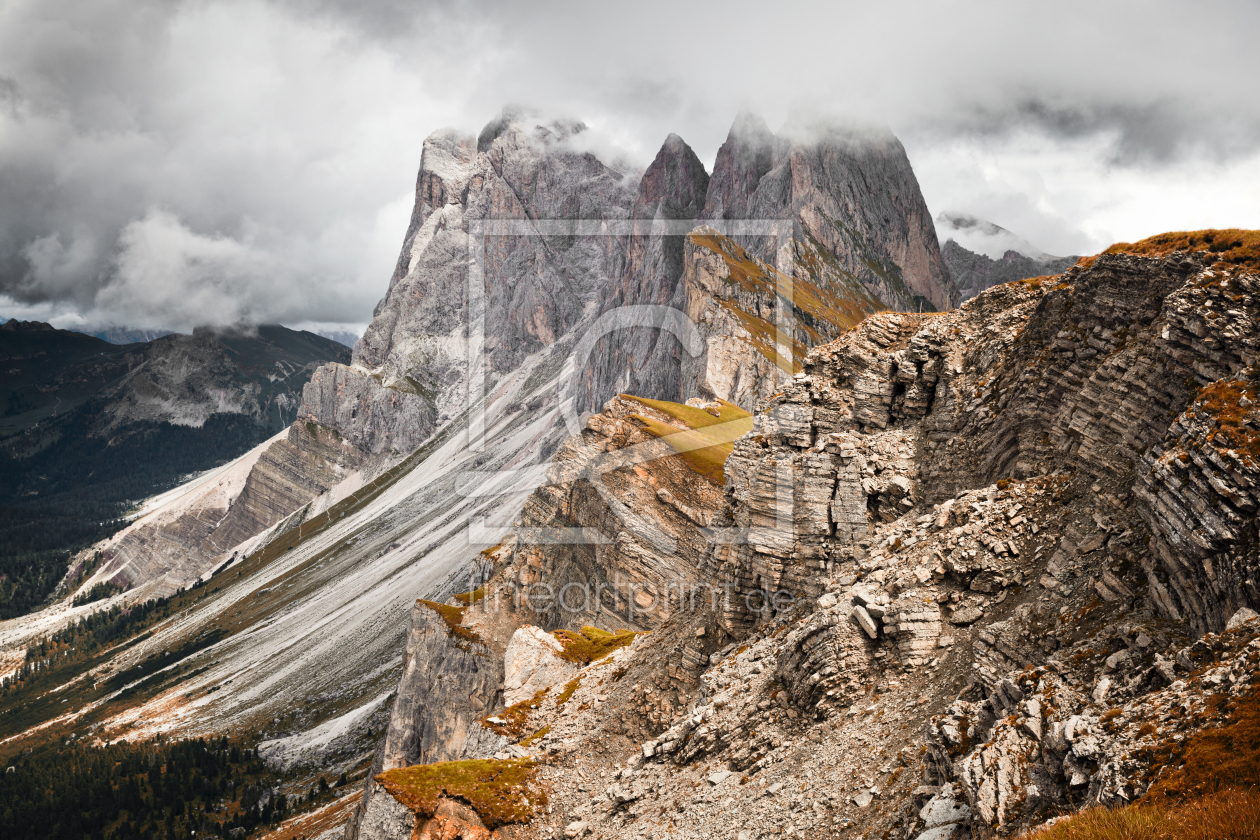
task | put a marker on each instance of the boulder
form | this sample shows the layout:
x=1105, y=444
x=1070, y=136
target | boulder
x=532, y=662
x=1241, y=617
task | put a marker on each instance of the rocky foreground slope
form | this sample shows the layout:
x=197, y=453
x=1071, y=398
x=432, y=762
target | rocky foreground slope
x=969, y=572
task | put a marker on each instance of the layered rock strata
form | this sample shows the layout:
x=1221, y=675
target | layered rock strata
x=997, y=533
x=625, y=522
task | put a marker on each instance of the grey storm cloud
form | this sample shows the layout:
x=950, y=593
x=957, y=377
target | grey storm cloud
x=165, y=164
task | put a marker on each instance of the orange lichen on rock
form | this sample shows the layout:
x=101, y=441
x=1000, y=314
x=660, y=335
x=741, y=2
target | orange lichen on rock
x=1234, y=407
x=500, y=792
x=1230, y=246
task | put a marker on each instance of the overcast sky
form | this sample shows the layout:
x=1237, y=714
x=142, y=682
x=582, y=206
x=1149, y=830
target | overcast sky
x=165, y=164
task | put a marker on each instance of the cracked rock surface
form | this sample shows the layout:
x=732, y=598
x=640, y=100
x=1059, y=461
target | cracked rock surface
x=1020, y=545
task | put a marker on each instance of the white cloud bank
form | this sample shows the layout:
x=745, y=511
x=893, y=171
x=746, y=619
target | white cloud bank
x=166, y=164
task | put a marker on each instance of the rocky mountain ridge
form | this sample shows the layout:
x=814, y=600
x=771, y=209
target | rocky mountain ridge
x=302, y=560
x=1000, y=529
x=929, y=508
x=973, y=273
x=980, y=254
x=461, y=345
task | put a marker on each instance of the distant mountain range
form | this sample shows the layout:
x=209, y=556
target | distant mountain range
x=124, y=335
x=86, y=426
x=135, y=335
x=980, y=254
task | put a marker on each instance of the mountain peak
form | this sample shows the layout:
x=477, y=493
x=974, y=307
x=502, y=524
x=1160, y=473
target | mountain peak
x=676, y=181
x=532, y=123
x=985, y=237
x=14, y=325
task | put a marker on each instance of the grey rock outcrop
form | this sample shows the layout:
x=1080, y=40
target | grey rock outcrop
x=409, y=373
x=532, y=664
x=646, y=360
x=446, y=668
x=973, y=273
x=646, y=512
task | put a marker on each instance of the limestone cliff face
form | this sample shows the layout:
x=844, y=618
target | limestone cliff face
x=847, y=188
x=853, y=236
x=409, y=370
x=757, y=322
x=451, y=679
x=646, y=360
x=1115, y=372
x=647, y=515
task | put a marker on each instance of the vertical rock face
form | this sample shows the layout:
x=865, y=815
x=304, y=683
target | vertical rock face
x=758, y=322
x=742, y=160
x=409, y=370
x=850, y=191
x=446, y=668
x=647, y=360
x=860, y=233
x=858, y=239
x=1117, y=372
x=649, y=510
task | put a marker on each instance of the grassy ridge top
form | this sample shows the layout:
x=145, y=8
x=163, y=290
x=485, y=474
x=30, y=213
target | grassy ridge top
x=1230, y=246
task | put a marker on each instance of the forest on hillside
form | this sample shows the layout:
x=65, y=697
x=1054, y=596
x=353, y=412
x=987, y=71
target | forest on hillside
x=154, y=790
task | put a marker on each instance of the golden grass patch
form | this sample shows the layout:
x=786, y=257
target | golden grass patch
x=708, y=439
x=515, y=717
x=1230, y=814
x=453, y=615
x=470, y=598
x=1226, y=756
x=569, y=688
x=1232, y=404
x=591, y=644
x=1231, y=246
x=501, y=792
